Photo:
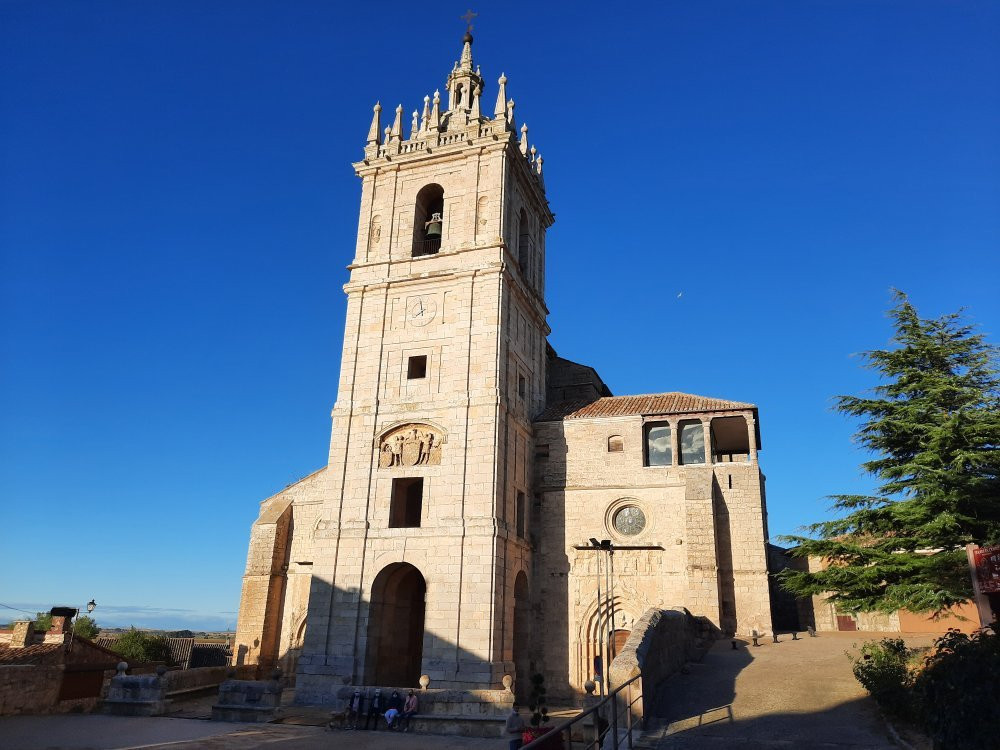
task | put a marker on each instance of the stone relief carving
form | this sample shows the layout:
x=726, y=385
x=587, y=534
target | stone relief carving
x=483, y=205
x=410, y=445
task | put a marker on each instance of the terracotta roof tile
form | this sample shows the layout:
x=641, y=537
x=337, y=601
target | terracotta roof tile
x=628, y=406
x=34, y=654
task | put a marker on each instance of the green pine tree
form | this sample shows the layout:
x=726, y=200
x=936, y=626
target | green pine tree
x=933, y=428
x=42, y=622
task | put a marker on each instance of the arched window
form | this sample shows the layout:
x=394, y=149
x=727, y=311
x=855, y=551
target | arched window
x=458, y=96
x=428, y=222
x=525, y=246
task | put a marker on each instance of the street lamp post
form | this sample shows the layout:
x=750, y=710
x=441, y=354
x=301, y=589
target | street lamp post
x=91, y=606
x=600, y=632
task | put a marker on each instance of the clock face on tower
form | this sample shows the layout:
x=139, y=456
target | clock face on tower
x=421, y=310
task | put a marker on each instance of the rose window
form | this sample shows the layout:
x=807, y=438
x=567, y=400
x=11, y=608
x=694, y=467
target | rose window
x=629, y=521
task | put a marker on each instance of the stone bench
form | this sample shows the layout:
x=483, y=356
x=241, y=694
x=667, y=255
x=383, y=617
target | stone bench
x=464, y=725
x=248, y=700
x=136, y=695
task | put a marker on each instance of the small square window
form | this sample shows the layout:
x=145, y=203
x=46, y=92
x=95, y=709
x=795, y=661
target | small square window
x=416, y=367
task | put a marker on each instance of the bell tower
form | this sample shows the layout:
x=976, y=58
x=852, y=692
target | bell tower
x=421, y=563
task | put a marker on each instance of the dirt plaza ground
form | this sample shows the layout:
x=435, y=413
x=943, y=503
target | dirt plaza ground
x=793, y=694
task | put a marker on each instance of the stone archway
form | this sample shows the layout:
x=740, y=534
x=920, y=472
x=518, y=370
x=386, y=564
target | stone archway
x=396, y=627
x=521, y=639
x=594, y=637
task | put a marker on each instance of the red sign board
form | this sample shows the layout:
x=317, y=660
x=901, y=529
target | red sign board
x=986, y=561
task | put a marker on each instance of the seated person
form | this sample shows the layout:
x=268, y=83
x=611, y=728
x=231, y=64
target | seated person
x=394, y=705
x=390, y=717
x=409, y=710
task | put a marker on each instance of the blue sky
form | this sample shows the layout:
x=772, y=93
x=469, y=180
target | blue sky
x=177, y=209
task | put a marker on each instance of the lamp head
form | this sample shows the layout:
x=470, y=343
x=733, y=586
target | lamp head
x=595, y=542
x=91, y=605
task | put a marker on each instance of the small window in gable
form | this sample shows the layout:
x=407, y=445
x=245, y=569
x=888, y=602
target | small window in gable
x=616, y=444
x=416, y=367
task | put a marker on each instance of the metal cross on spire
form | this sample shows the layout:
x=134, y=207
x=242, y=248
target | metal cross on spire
x=469, y=15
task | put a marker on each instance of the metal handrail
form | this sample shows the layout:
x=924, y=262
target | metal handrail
x=565, y=734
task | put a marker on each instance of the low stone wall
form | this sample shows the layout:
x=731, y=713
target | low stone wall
x=184, y=681
x=137, y=695
x=29, y=688
x=248, y=700
x=662, y=641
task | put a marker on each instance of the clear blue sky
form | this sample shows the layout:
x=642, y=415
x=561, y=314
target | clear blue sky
x=177, y=209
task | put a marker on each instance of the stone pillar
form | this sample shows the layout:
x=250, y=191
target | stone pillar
x=23, y=634
x=752, y=433
x=706, y=435
x=700, y=543
x=675, y=442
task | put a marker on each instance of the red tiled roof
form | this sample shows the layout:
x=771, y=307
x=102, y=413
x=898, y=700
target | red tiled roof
x=628, y=406
x=33, y=654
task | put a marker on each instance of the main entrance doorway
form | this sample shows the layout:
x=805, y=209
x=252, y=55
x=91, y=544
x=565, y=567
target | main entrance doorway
x=618, y=639
x=396, y=627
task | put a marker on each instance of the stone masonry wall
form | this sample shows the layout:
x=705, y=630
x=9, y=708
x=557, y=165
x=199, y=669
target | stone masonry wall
x=29, y=689
x=271, y=607
x=707, y=518
x=479, y=320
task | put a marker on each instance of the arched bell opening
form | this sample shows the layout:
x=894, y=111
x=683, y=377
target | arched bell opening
x=428, y=221
x=396, y=627
x=522, y=630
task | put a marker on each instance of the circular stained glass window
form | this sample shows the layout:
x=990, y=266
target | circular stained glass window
x=629, y=521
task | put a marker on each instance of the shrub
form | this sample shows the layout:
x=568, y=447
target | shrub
x=136, y=646
x=883, y=670
x=960, y=687
x=537, y=702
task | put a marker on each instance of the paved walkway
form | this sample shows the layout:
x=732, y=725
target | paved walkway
x=95, y=732
x=793, y=694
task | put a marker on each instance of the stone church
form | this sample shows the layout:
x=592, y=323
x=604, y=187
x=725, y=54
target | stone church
x=470, y=465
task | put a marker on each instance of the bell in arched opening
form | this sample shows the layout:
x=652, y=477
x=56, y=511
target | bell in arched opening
x=432, y=227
